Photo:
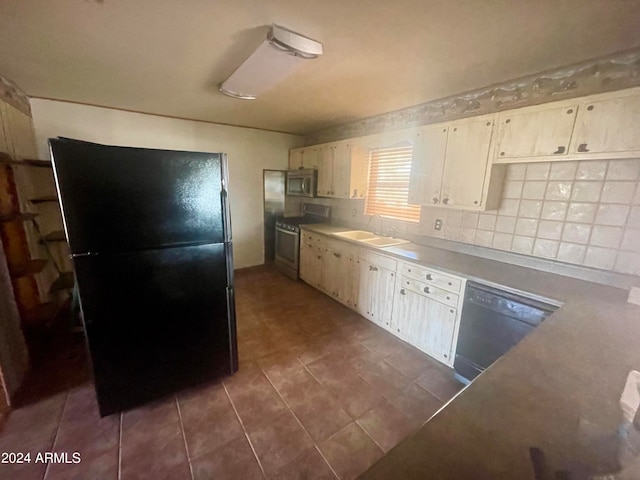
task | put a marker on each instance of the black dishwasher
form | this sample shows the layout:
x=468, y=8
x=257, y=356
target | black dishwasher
x=492, y=322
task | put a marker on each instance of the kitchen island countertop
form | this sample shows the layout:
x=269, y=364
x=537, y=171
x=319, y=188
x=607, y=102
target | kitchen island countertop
x=557, y=390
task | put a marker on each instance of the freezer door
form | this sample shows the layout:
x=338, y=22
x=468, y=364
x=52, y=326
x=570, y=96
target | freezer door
x=156, y=321
x=117, y=199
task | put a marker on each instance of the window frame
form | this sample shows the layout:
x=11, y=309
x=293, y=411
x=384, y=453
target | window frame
x=381, y=199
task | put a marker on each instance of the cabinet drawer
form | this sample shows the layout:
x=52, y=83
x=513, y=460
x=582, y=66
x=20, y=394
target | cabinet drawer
x=377, y=259
x=340, y=246
x=432, y=277
x=314, y=238
x=430, y=291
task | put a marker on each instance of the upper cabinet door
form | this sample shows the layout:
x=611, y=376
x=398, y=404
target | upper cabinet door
x=608, y=126
x=536, y=132
x=427, y=165
x=325, y=169
x=295, y=158
x=310, y=158
x=466, y=160
x=341, y=177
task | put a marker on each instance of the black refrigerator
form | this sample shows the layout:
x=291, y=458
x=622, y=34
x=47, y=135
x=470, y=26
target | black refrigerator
x=150, y=238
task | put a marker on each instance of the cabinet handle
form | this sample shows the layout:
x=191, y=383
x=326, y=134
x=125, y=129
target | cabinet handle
x=319, y=257
x=451, y=311
x=370, y=268
x=429, y=276
x=337, y=255
x=450, y=283
x=426, y=290
x=583, y=147
x=561, y=149
x=475, y=202
x=435, y=199
x=590, y=107
x=445, y=201
x=375, y=269
x=403, y=291
x=570, y=111
x=448, y=297
x=445, y=356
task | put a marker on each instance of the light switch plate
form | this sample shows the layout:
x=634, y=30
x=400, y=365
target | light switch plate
x=354, y=212
x=437, y=224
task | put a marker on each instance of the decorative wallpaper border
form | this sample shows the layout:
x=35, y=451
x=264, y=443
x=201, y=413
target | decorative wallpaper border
x=15, y=97
x=610, y=73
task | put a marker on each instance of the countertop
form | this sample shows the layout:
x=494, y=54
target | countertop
x=557, y=390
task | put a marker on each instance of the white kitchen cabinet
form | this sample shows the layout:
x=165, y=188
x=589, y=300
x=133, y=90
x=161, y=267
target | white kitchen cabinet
x=376, y=284
x=325, y=170
x=466, y=162
x=427, y=166
x=311, y=258
x=339, y=274
x=342, y=170
x=608, y=124
x=588, y=128
x=426, y=308
x=540, y=131
x=425, y=323
x=451, y=166
x=305, y=157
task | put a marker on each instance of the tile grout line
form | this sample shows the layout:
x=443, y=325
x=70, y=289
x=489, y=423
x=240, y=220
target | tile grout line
x=354, y=420
x=244, y=430
x=55, y=437
x=299, y=422
x=120, y=446
x=184, y=437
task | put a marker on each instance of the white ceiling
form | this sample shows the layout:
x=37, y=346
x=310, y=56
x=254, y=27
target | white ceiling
x=168, y=56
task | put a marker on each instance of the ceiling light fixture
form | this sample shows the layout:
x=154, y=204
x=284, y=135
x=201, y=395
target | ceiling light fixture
x=276, y=57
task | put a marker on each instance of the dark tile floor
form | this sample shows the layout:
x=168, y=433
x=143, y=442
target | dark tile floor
x=321, y=393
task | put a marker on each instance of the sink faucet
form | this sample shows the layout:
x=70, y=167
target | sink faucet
x=379, y=224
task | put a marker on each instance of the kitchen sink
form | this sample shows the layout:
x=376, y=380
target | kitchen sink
x=372, y=239
x=357, y=235
x=384, y=241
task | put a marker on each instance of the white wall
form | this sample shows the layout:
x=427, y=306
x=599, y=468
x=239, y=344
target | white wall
x=249, y=151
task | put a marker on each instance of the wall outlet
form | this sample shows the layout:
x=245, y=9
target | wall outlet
x=634, y=295
x=437, y=225
x=354, y=212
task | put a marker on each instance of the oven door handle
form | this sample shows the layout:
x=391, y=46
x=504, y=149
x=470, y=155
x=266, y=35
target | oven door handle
x=304, y=185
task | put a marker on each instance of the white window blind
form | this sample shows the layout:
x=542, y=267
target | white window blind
x=388, y=187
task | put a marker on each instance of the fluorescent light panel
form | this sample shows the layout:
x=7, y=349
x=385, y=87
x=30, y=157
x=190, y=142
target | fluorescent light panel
x=275, y=58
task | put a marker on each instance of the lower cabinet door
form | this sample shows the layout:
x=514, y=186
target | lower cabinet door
x=311, y=265
x=427, y=324
x=331, y=268
x=375, y=292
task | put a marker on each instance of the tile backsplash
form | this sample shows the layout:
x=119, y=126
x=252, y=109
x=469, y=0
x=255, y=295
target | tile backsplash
x=585, y=213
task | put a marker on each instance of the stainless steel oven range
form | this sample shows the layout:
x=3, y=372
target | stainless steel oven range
x=288, y=236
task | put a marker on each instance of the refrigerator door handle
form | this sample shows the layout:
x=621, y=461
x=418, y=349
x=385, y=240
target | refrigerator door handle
x=226, y=215
x=84, y=254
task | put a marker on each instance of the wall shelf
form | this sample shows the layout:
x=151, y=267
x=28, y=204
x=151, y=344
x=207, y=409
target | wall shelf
x=40, y=315
x=47, y=198
x=17, y=217
x=30, y=267
x=6, y=159
x=65, y=281
x=55, y=236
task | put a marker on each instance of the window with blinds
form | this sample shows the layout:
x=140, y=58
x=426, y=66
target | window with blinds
x=388, y=187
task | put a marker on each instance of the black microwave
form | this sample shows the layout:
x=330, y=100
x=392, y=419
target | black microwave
x=302, y=183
